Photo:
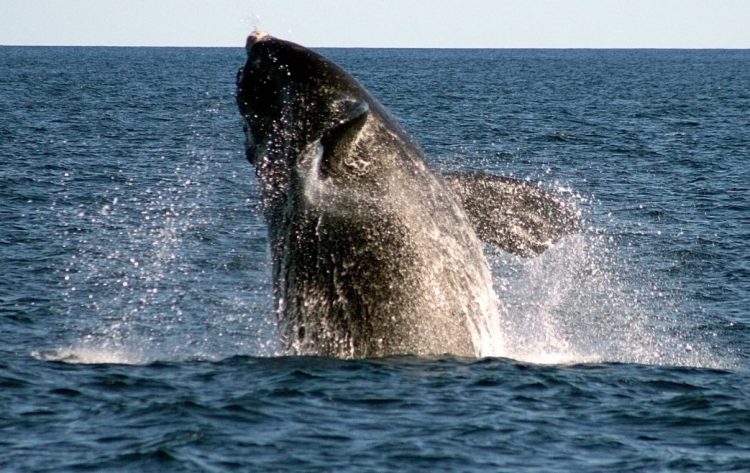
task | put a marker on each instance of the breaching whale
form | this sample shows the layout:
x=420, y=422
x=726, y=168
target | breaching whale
x=374, y=253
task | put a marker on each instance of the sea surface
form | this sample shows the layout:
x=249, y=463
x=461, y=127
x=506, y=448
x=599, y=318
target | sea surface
x=137, y=330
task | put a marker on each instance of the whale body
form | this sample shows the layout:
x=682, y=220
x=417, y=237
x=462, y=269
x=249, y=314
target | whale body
x=374, y=254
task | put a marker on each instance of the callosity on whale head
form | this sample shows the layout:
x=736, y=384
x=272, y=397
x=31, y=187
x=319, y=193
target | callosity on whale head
x=373, y=253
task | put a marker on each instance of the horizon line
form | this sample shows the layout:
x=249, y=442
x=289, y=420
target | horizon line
x=665, y=48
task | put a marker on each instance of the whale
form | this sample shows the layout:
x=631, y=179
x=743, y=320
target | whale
x=375, y=253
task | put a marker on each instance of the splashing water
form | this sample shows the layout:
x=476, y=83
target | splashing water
x=579, y=302
x=135, y=303
x=153, y=275
x=160, y=276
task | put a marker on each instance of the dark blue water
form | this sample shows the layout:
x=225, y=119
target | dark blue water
x=136, y=308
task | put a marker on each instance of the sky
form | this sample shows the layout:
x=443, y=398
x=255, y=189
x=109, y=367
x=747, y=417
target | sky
x=381, y=23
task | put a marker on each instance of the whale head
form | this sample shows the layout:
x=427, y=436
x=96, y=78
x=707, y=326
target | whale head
x=296, y=103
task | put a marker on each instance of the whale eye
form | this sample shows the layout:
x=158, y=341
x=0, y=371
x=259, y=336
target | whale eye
x=240, y=73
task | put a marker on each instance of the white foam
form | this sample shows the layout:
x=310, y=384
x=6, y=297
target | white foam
x=93, y=355
x=553, y=358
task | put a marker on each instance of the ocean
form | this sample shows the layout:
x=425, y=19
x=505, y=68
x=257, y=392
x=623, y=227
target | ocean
x=136, y=306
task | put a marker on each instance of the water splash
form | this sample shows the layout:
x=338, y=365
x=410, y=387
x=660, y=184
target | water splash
x=158, y=276
x=581, y=302
x=152, y=273
x=94, y=355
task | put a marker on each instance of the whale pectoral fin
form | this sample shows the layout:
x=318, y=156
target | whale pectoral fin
x=517, y=216
x=350, y=116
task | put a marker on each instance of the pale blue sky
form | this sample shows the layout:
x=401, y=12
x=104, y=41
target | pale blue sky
x=381, y=23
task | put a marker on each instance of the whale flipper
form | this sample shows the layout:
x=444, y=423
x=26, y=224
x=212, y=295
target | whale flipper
x=349, y=118
x=515, y=215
